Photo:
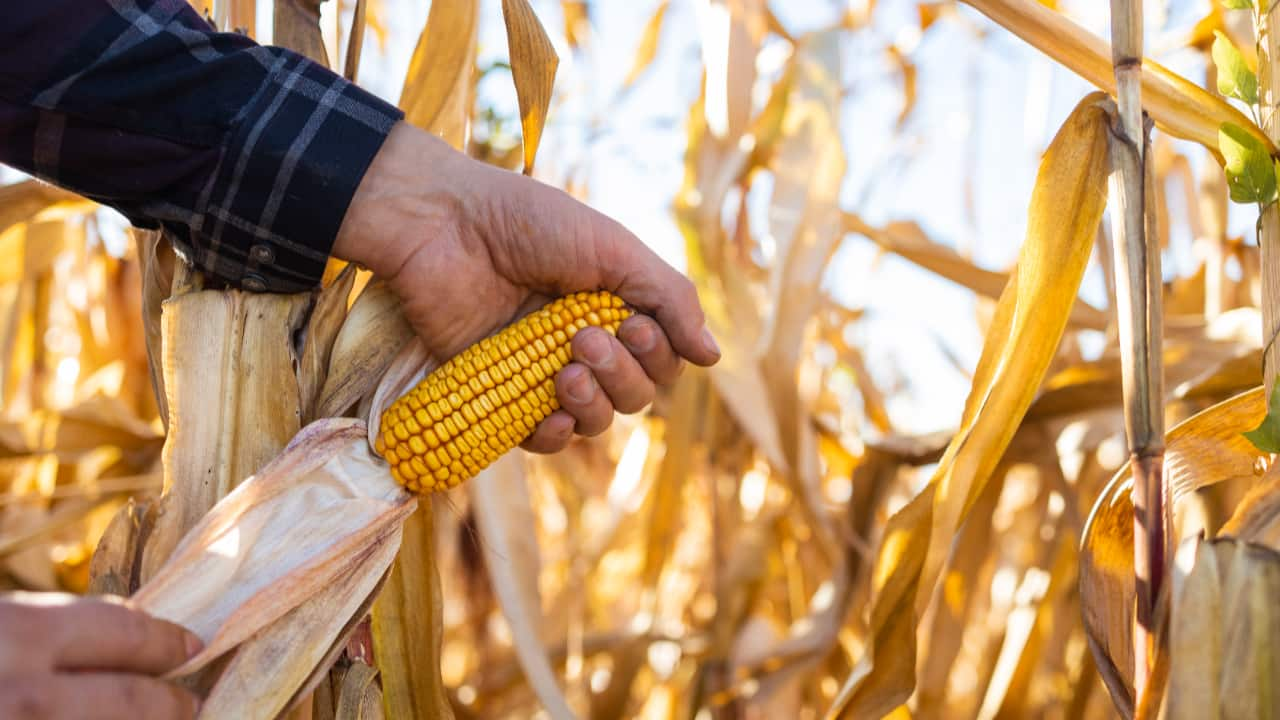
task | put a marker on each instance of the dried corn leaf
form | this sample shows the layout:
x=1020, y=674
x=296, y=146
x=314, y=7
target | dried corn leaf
x=1180, y=107
x=407, y=626
x=278, y=539
x=731, y=32
x=1205, y=449
x=679, y=434
x=373, y=333
x=115, y=564
x=1030, y=318
x=21, y=201
x=327, y=319
x=909, y=73
x=647, y=50
x=355, y=40
x=533, y=68
x=80, y=429
x=296, y=25
x=577, y=21
x=505, y=517
x=157, y=259
x=356, y=684
x=959, y=590
x=805, y=218
x=438, y=87
x=908, y=241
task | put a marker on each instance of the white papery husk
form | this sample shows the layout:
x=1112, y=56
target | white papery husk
x=317, y=518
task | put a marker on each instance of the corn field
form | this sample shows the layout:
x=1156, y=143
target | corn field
x=1008, y=453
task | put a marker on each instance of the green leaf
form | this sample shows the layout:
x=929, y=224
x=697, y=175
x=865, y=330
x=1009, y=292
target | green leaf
x=1251, y=176
x=1237, y=4
x=1235, y=79
x=1266, y=437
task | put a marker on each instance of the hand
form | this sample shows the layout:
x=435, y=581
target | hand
x=65, y=657
x=470, y=248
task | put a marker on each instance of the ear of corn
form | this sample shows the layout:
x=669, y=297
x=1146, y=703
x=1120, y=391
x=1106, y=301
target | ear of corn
x=489, y=398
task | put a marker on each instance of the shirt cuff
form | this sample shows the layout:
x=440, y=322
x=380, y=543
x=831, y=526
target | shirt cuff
x=300, y=147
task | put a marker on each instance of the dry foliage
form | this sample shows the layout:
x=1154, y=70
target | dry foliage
x=763, y=543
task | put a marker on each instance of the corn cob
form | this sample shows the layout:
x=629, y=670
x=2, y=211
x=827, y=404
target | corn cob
x=489, y=398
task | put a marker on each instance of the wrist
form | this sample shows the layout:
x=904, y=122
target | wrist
x=412, y=184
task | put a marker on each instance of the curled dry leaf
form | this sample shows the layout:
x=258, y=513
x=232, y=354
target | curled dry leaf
x=533, y=68
x=1066, y=207
x=157, y=260
x=280, y=538
x=438, y=87
x=1205, y=449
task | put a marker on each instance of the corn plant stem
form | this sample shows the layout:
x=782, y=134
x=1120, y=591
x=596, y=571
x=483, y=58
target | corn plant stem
x=1211, y=199
x=1269, y=222
x=244, y=17
x=221, y=14
x=355, y=41
x=1137, y=264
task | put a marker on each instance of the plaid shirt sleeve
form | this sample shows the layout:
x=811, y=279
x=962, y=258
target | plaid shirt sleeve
x=247, y=156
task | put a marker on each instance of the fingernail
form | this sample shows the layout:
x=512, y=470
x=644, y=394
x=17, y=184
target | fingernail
x=640, y=338
x=582, y=388
x=596, y=350
x=193, y=645
x=709, y=342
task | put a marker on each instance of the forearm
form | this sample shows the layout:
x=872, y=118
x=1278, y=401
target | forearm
x=247, y=155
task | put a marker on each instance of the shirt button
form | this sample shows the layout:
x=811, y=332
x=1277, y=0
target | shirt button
x=253, y=283
x=262, y=254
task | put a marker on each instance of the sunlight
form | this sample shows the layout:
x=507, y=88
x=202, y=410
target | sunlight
x=228, y=545
x=626, y=478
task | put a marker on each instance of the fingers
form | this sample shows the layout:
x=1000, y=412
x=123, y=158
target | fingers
x=95, y=635
x=644, y=339
x=552, y=434
x=582, y=397
x=608, y=374
x=617, y=372
x=639, y=276
x=535, y=227
x=103, y=696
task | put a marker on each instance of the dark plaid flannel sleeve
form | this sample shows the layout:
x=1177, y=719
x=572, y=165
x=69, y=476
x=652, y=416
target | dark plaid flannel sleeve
x=247, y=156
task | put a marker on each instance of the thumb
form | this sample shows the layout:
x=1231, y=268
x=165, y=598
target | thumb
x=633, y=271
x=606, y=256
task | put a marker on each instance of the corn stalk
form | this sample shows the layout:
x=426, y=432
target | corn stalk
x=1137, y=260
x=1269, y=222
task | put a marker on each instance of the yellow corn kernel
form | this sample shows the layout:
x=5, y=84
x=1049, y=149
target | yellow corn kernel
x=489, y=398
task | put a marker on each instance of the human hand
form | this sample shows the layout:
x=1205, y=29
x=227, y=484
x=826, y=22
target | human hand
x=469, y=248
x=65, y=657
